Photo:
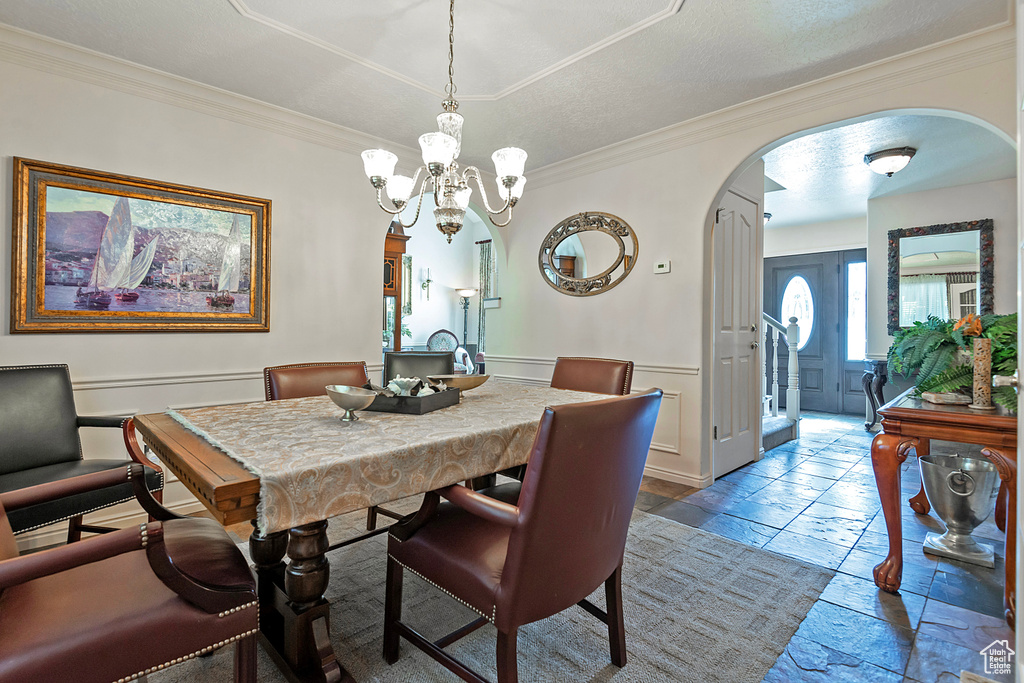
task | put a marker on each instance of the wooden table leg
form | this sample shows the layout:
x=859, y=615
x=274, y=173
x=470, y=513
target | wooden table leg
x=1007, y=467
x=1001, y=503
x=887, y=454
x=294, y=616
x=919, y=503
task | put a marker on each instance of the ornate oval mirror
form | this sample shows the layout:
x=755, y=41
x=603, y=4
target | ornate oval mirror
x=588, y=253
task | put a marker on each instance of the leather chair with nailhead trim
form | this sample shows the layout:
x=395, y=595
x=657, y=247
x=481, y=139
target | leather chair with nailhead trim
x=126, y=604
x=516, y=564
x=39, y=443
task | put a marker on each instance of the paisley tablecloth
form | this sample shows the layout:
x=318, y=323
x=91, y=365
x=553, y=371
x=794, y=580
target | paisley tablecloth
x=313, y=466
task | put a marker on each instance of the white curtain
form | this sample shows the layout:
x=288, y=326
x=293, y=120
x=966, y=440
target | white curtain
x=922, y=296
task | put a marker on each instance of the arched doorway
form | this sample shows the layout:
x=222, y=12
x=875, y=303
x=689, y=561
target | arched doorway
x=958, y=159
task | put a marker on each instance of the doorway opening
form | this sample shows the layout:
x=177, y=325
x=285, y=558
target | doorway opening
x=827, y=207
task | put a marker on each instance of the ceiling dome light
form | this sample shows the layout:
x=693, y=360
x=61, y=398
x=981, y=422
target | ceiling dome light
x=767, y=217
x=889, y=161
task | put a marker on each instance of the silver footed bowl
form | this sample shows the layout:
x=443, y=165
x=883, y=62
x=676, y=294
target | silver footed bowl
x=463, y=382
x=350, y=399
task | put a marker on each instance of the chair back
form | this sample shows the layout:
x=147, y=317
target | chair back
x=599, y=375
x=442, y=340
x=417, y=364
x=309, y=379
x=38, y=423
x=575, y=510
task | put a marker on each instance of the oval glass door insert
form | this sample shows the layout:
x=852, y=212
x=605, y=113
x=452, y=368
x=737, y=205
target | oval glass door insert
x=797, y=302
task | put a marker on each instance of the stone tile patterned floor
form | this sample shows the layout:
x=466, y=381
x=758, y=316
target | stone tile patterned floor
x=815, y=499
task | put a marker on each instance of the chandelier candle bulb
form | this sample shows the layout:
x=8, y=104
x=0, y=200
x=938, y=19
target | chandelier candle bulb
x=440, y=151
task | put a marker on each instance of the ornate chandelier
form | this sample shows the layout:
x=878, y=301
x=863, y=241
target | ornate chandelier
x=440, y=151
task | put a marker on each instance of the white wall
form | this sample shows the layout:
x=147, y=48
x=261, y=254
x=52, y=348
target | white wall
x=996, y=200
x=65, y=105
x=849, y=233
x=666, y=186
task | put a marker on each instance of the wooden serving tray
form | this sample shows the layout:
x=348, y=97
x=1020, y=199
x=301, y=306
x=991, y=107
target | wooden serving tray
x=415, y=405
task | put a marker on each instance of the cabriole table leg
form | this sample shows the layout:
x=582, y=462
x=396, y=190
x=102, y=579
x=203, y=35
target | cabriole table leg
x=919, y=503
x=887, y=454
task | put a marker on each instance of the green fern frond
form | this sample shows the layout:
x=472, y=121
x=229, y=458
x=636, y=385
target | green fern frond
x=956, y=378
x=937, y=362
x=1005, y=397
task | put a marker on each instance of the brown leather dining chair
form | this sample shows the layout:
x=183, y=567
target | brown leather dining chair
x=39, y=443
x=597, y=375
x=126, y=604
x=514, y=565
x=309, y=379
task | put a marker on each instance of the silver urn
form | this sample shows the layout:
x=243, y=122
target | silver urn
x=962, y=491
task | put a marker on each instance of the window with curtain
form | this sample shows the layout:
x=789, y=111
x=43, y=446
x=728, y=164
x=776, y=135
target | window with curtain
x=922, y=296
x=488, y=289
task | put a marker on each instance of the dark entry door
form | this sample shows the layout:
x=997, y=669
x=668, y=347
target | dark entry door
x=815, y=288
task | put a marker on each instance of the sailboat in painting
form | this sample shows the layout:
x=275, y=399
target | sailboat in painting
x=114, y=267
x=230, y=270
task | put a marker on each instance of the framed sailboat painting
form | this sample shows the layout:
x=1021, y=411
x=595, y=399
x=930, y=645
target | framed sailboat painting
x=100, y=252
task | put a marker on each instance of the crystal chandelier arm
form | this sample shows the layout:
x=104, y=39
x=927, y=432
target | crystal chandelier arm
x=474, y=173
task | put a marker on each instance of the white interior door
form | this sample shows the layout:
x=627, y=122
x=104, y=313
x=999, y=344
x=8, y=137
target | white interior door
x=737, y=358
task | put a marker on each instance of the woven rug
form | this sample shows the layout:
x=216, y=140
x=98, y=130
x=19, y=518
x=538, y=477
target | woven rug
x=698, y=607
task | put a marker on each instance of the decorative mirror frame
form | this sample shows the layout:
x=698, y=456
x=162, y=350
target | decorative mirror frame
x=985, y=228
x=587, y=221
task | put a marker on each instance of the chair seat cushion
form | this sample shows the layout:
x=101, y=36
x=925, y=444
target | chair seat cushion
x=104, y=621
x=61, y=509
x=459, y=553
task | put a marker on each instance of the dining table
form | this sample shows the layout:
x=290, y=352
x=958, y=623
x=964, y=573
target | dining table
x=288, y=466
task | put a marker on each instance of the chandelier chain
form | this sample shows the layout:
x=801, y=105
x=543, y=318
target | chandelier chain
x=450, y=90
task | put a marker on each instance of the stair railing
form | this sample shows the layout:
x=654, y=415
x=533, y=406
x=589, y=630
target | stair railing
x=791, y=335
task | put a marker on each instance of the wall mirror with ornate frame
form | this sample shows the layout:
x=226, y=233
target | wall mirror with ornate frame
x=943, y=270
x=588, y=253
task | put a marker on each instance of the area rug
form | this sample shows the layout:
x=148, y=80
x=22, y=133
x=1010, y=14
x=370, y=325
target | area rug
x=698, y=607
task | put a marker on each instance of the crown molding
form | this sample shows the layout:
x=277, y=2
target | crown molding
x=42, y=53
x=994, y=44
x=243, y=9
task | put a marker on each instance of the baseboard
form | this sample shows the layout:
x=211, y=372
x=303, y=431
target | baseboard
x=678, y=477
x=57, y=534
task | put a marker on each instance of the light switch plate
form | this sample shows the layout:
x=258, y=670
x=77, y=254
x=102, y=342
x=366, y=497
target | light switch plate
x=663, y=267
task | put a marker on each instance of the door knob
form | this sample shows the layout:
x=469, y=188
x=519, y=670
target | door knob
x=1006, y=380
x=753, y=345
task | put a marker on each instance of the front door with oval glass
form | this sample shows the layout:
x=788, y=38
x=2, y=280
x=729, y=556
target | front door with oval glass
x=825, y=292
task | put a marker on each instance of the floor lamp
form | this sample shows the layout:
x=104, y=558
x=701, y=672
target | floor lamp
x=464, y=295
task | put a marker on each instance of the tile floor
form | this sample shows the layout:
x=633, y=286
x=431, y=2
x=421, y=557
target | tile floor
x=815, y=499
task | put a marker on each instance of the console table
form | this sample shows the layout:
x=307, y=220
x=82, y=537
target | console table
x=909, y=423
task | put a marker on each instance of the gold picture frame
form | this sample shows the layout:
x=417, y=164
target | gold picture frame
x=101, y=252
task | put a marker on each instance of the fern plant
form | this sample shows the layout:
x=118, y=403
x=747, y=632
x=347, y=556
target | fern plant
x=939, y=351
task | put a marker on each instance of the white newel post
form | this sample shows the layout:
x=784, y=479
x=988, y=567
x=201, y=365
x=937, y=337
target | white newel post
x=764, y=372
x=793, y=390
x=775, y=372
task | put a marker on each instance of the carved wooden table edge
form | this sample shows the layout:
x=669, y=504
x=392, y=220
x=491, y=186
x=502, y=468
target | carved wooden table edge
x=294, y=615
x=910, y=423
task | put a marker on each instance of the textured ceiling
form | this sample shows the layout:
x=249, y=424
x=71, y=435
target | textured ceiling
x=825, y=178
x=557, y=79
